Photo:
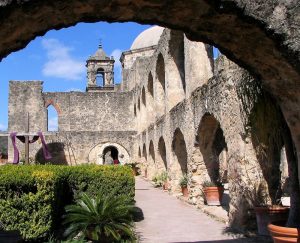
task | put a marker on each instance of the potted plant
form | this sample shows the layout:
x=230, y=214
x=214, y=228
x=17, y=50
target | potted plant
x=157, y=182
x=134, y=167
x=264, y=211
x=183, y=184
x=164, y=178
x=282, y=234
x=213, y=192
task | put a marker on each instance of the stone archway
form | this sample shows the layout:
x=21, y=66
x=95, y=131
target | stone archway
x=213, y=148
x=110, y=154
x=258, y=36
x=179, y=151
x=162, y=152
x=98, y=152
x=175, y=70
x=160, y=84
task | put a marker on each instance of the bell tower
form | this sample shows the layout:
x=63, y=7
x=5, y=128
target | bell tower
x=100, y=71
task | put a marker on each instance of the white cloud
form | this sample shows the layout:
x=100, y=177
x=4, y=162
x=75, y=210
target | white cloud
x=60, y=63
x=3, y=127
x=118, y=68
x=53, y=124
x=74, y=89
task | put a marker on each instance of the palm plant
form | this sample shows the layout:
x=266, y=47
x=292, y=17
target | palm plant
x=106, y=218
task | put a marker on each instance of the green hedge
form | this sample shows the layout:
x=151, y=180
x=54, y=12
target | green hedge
x=33, y=197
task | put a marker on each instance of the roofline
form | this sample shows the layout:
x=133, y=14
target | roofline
x=124, y=53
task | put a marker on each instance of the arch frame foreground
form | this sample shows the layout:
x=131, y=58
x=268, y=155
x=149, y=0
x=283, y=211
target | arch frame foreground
x=262, y=37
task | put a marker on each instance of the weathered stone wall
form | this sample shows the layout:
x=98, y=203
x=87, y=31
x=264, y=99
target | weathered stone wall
x=25, y=98
x=97, y=111
x=73, y=148
x=183, y=113
x=3, y=145
x=85, y=121
x=227, y=100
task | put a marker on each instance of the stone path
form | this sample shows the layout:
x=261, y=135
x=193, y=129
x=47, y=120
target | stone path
x=169, y=220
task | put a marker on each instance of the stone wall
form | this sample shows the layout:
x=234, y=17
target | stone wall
x=182, y=113
x=85, y=122
x=97, y=111
x=209, y=129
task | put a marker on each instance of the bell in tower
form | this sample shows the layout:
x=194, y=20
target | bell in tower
x=100, y=74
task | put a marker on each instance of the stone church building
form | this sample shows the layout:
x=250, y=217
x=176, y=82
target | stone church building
x=176, y=110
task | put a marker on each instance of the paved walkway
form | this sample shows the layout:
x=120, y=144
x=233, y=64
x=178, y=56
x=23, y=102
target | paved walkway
x=169, y=220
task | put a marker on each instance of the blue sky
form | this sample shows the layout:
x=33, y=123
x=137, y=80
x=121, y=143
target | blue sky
x=58, y=58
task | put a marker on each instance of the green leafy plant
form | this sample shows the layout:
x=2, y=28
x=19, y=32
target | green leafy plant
x=107, y=218
x=183, y=182
x=33, y=197
x=212, y=184
x=160, y=179
x=164, y=176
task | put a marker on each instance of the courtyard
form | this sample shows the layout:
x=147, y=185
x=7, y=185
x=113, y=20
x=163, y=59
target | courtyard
x=204, y=107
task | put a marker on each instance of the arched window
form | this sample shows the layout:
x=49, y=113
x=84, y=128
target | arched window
x=100, y=77
x=160, y=86
x=144, y=152
x=160, y=71
x=144, y=96
x=52, y=119
x=176, y=70
x=134, y=109
x=139, y=104
x=150, y=84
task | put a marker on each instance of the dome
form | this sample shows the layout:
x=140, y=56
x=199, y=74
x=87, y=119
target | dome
x=149, y=37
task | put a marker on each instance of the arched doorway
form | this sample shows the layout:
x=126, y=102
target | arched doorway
x=108, y=151
x=110, y=154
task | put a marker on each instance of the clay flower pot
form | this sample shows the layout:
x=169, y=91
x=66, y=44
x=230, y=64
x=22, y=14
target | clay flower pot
x=268, y=214
x=213, y=195
x=185, y=191
x=165, y=185
x=281, y=234
x=134, y=171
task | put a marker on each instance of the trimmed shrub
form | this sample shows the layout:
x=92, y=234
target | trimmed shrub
x=33, y=197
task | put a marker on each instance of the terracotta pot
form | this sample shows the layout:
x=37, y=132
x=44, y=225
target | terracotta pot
x=213, y=195
x=134, y=171
x=185, y=191
x=281, y=234
x=268, y=214
x=166, y=185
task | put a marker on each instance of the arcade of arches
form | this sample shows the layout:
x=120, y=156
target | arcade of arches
x=207, y=118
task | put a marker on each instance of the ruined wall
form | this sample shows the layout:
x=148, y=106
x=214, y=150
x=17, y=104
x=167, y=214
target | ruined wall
x=168, y=65
x=26, y=98
x=193, y=144
x=85, y=120
x=97, y=111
